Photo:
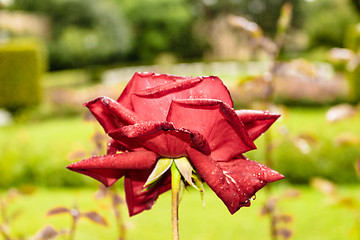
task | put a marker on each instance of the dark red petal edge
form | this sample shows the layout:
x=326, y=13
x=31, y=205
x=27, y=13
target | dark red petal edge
x=256, y=121
x=109, y=168
x=228, y=112
x=234, y=181
x=147, y=128
x=140, y=82
x=139, y=199
x=111, y=114
x=113, y=147
x=162, y=90
x=144, y=80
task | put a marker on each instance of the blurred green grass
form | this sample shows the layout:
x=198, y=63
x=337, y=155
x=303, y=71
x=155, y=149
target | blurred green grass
x=66, y=78
x=307, y=145
x=313, y=216
x=37, y=152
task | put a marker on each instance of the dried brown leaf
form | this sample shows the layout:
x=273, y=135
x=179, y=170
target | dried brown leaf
x=117, y=199
x=246, y=25
x=292, y=193
x=101, y=192
x=284, y=233
x=269, y=206
x=285, y=218
x=48, y=232
x=95, y=217
x=58, y=210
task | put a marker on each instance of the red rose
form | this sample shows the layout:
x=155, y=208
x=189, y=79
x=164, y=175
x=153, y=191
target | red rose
x=164, y=116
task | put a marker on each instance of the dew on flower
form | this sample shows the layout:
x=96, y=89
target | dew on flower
x=163, y=118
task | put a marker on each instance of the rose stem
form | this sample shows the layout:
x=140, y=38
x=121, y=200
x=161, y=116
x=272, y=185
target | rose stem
x=175, y=189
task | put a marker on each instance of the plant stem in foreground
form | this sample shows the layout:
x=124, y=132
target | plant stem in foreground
x=175, y=189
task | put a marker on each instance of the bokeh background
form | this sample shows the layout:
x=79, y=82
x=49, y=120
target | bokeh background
x=300, y=58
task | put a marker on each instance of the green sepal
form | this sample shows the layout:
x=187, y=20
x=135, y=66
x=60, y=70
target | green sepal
x=161, y=167
x=186, y=170
x=181, y=190
x=200, y=186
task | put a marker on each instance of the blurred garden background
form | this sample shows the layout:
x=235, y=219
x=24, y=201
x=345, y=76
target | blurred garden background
x=300, y=58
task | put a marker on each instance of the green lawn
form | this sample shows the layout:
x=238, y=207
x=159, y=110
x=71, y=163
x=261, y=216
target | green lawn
x=307, y=145
x=38, y=152
x=313, y=216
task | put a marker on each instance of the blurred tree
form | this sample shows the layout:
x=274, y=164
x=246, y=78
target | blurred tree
x=327, y=22
x=356, y=4
x=264, y=13
x=161, y=26
x=84, y=32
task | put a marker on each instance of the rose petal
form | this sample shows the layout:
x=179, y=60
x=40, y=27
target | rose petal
x=161, y=138
x=113, y=147
x=162, y=90
x=257, y=122
x=109, y=168
x=234, y=181
x=217, y=122
x=139, y=199
x=110, y=114
x=151, y=99
x=145, y=80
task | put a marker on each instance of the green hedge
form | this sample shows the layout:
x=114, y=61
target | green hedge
x=21, y=68
x=352, y=42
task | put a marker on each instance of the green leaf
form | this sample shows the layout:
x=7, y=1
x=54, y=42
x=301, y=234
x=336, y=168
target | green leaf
x=186, y=170
x=200, y=186
x=162, y=165
x=181, y=190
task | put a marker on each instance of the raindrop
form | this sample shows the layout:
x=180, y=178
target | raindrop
x=253, y=197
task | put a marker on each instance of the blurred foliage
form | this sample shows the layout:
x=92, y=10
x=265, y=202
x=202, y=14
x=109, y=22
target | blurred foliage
x=264, y=13
x=326, y=22
x=88, y=32
x=161, y=26
x=356, y=4
x=42, y=159
x=352, y=43
x=315, y=147
x=22, y=64
x=84, y=32
x=353, y=78
x=314, y=217
x=306, y=144
x=352, y=38
x=347, y=60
